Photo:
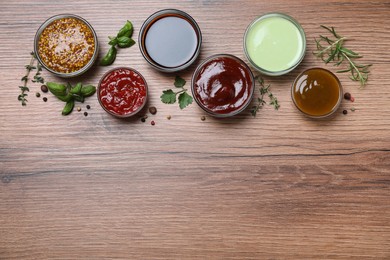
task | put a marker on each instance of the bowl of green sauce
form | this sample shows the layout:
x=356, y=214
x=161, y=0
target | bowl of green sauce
x=274, y=44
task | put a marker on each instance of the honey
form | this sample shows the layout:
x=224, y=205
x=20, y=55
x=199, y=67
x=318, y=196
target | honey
x=317, y=92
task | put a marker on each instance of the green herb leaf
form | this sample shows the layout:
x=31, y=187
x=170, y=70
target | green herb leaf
x=57, y=89
x=264, y=90
x=274, y=101
x=65, y=98
x=79, y=98
x=168, y=96
x=125, y=42
x=113, y=41
x=68, y=108
x=336, y=52
x=184, y=100
x=87, y=90
x=76, y=89
x=179, y=82
x=109, y=58
x=69, y=94
x=122, y=40
x=126, y=30
x=24, y=88
x=30, y=67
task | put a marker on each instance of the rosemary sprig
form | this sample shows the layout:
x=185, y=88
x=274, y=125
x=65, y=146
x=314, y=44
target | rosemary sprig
x=335, y=52
x=37, y=78
x=264, y=90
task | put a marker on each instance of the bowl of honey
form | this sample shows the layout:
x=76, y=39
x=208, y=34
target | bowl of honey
x=317, y=93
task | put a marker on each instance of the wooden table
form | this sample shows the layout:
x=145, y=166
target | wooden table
x=272, y=187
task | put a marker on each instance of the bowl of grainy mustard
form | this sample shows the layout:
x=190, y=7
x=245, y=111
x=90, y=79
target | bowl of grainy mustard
x=66, y=45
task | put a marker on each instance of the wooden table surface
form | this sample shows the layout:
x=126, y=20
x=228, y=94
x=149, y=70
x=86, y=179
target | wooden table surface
x=277, y=186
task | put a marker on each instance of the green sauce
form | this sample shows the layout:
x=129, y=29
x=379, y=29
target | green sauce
x=274, y=43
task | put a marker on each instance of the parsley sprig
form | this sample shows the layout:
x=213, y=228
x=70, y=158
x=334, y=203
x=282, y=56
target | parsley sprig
x=169, y=96
x=336, y=52
x=264, y=90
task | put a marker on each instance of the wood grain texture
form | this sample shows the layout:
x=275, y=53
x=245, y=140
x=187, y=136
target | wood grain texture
x=279, y=186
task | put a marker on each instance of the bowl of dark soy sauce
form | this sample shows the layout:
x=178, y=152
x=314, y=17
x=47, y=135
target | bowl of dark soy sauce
x=170, y=40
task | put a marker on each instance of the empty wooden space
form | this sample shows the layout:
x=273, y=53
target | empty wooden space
x=278, y=186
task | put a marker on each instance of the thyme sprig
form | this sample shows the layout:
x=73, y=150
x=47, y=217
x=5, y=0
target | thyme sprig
x=22, y=97
x=264, y=90
x=335, y=52
x=37, y=78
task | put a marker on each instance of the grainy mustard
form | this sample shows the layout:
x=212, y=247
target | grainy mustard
x=66, y=45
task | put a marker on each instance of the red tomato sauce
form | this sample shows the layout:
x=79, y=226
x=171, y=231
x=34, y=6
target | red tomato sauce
x=122, y=92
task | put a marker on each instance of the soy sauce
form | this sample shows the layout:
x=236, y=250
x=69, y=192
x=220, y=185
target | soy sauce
x=171, y=41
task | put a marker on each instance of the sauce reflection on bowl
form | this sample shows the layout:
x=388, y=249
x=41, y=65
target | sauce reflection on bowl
x=317, y=92
x=223, y=85
x=122, y=92
x=170, y=40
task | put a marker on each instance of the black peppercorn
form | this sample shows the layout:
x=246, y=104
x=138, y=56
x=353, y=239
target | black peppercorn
x=153, y=110
x=44, y=99
x=37, y=94
x=347, y=95
x=345, y=112
x=85, y=113
x=152, y=123
x=44, y=88
x=143, y=120
x=88, y=107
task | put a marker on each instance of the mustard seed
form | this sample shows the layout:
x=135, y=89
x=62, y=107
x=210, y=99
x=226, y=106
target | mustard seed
x=73, y=37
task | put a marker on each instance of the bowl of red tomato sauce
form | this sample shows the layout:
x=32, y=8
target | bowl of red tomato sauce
x=122, y=92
